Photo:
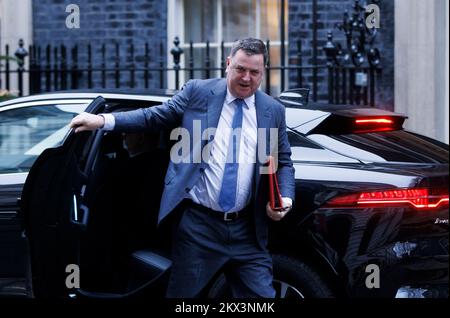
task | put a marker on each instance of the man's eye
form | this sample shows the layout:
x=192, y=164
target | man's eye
x=255, y=73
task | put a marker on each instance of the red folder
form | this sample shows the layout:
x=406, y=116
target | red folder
x=275, y=201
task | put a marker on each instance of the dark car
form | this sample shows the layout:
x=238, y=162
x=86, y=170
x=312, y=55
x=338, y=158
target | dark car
x=370, y=218
x=28, y=126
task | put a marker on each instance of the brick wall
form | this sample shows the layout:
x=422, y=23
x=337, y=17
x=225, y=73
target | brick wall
x=106, y=22
x=141, y=21
x=330, y=12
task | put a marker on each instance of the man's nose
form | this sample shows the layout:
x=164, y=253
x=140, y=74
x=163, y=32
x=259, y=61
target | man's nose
x=246, y=77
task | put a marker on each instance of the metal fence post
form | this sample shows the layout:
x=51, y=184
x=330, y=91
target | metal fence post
x=191, y=60
x=63, y=75
x=31, y=68
x=146, y=58
x=89, y=61
x=117, y=66
x=161, y=65
x=55, y=68
x=300, y=64
x=222, y=59
x=103, y=65
x=207, y=62
x=331, y=52
x=74, y=69
x=37, y=76
x=7, y=68
x=48, y=68
x=176, y=52
x=131, y=67
x=268, y=68
x=20, y=53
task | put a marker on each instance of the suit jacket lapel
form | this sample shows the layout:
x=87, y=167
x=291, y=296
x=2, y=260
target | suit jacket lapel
x=263, y=110
x=215, y=104
x=263, y=119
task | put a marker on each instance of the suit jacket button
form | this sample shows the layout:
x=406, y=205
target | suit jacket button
x=202, y=169
x=187, y=189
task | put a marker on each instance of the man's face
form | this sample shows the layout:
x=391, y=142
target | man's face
x=244, y=73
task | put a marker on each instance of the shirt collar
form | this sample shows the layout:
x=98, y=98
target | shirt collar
x=249, y=101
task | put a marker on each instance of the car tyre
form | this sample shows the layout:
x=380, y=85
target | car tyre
x=292, y=279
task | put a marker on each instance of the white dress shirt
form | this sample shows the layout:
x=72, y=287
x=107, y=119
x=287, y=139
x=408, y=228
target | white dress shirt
x=207, y=190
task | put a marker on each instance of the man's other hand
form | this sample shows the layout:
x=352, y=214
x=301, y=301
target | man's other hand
x=86, y=121
x=279, y=214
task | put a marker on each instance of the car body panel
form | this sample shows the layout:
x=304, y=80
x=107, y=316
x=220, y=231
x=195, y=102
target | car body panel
x=12, y=240
x=409, y=246
x=53, y=210
x=149, y=95
x=19, y=148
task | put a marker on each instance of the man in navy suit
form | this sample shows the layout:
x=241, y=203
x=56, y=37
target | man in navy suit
x=228, y=127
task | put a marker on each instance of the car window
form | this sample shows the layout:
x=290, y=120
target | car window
x=392, y=146
x=306, y=150
x=26, y=132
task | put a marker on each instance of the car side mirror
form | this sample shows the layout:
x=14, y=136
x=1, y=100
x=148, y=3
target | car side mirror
x=295, y=97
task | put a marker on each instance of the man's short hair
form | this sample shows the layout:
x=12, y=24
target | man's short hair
x=250, y=46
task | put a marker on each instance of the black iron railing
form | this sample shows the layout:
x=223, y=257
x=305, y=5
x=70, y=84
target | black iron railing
x=54, y=68
x=350, y=74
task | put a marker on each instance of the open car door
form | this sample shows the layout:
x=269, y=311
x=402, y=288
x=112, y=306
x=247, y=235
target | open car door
x=68, y=233
x=53, y=213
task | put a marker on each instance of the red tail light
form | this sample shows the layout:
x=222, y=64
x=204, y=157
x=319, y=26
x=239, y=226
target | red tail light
x=375, y=124
x=374, y=121
x=360, y=120
x=418, y=198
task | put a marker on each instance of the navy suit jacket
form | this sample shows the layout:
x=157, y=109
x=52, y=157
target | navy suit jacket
x=202, y=100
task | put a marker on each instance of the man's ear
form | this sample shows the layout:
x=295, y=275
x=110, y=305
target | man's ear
x=228, y=64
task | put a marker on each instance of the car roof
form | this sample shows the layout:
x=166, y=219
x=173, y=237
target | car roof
x=296, y=115
x=144, y=95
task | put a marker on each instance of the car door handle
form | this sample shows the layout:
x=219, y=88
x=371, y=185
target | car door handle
x=80, y=213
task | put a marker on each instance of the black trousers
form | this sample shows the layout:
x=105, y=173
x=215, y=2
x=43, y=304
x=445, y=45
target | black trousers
x=204, y=243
